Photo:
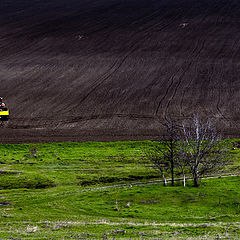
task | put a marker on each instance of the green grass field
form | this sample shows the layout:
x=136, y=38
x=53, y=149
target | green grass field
x=63, y=191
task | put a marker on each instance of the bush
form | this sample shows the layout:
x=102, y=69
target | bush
x=31, y=181
x=111, y=179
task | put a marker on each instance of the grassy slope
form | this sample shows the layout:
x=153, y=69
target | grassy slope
x=66, y=211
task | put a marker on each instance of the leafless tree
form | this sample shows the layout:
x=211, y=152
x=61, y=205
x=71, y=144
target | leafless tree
x=201, y=148
x=170, y=146
x=163, y=153
x=158, y=160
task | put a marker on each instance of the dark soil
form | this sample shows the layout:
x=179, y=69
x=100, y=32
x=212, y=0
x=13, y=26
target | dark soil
x=114, y=70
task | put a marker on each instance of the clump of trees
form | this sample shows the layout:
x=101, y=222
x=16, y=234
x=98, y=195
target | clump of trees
x=193, y=148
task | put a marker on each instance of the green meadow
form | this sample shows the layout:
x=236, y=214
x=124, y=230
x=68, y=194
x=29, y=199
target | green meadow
x=97, y=190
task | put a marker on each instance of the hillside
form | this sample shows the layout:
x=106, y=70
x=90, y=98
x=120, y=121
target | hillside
x=69, y=191
x=111, y=69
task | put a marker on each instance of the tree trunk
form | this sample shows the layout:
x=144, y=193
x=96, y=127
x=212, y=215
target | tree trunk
x=195, y=179
x=172, y=160
x=172, y=171
x=165, y=180
x=184, y=180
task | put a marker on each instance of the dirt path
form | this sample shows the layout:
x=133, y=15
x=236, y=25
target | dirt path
x=132, y=184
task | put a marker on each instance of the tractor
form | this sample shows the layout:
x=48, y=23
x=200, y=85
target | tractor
x=4, y=111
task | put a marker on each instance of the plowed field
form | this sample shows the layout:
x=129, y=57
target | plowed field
x=116, y=69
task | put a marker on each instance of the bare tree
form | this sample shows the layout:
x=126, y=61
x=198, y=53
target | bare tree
x=158, y=160
x=170, y=146
x=163, y=154
x=201, y=148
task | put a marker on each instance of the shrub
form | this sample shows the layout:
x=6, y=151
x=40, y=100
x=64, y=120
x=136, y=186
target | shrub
x=112, y=179
x=31, y=181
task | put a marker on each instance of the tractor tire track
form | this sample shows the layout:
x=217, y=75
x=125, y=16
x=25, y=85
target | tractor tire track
x=116, y=66
x=220, y=86
x=172, y=81
x=168, y=88
x=190, y=82
x=181, y=78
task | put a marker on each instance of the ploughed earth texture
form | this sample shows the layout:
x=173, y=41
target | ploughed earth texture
x=117, y=69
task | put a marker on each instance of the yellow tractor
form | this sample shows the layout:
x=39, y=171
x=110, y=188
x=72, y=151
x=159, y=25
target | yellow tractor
x=4, y=111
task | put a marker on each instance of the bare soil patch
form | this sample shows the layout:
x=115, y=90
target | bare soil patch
x=115, y=70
